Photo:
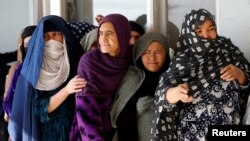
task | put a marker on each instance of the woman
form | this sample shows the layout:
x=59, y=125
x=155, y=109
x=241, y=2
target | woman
x=46, y=84
x=89, y=41
x=204, y=81
x=103, y=69
x=15, y=70
x=133, y=107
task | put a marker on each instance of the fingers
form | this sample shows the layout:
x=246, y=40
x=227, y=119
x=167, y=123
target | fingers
x=229, y=73
x=225, y=69
x=186, y=98
x=76, y=84
x=183, y=88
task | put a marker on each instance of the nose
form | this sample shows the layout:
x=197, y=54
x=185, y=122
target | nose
x=152, y=55
x=103, y=38
x=132, y=41
x=205, y=35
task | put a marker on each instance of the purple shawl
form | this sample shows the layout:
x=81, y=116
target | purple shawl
x=102, y=72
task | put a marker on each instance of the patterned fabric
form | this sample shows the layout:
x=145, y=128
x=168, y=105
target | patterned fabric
x=198, y=62
x=80, y=29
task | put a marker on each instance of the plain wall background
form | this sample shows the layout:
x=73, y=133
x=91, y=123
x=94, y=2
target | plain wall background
x=231, y=17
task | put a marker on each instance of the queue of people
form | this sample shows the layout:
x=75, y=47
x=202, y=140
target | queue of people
x=116, y=82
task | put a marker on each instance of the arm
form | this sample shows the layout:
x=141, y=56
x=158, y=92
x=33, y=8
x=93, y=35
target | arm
x=75, y=85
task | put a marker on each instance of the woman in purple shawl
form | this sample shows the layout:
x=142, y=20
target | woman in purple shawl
x=103, y=69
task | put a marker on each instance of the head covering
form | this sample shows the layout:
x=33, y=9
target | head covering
x=80, y=29
x=198, y=61
x=138, y=87
x=102, y=72
x=88, y=40
x=26, y=33
x=144, y=42
x=134, y=26
x=34, y=59
x=50, y=27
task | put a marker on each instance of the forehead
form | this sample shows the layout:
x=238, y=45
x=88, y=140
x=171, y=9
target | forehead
x=107, y=26
x=155, y=45
x=206, y=23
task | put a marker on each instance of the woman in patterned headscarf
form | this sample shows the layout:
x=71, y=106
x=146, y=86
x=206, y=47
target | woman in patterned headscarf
x=204, y=81
x=103, y=68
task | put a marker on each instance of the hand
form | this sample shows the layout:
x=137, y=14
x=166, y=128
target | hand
x=75, y=85
x=178, y=93
x=231, y=72
x=99, y=18
x=6, y=117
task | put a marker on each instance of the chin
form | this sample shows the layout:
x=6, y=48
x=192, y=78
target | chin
x=153, y=69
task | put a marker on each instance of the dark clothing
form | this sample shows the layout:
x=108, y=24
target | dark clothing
x=59, y=121
x=132, y=111
x=4, y=68
x=8, y=56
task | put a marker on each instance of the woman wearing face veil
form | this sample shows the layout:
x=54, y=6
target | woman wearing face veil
x=204, y=81
x=43, y=105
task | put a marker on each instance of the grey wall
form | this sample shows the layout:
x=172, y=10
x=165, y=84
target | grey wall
x=231, y=17
x=233, y=22
x=177, y=9
x=14, y=17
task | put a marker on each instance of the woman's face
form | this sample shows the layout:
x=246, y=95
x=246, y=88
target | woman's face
x=134, y=37
x=108, y=40
x=207, y=30
x=26, y=42
x=154, y=57
x=54, y=35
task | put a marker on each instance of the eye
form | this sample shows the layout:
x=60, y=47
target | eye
x=211, y=29
x=158, y=52
x=109, y=33
x=146, y=52
x=46, y=37
x=198, y=31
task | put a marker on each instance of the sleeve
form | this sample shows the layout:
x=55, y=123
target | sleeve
x=90, y=118
x=7, y=104
x=9, y=56
x=165, y=115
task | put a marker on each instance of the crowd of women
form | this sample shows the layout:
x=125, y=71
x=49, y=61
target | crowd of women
x=118, y=83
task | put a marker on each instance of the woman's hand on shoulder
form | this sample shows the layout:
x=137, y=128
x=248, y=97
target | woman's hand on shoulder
x=75, y=85
x=178, y=93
